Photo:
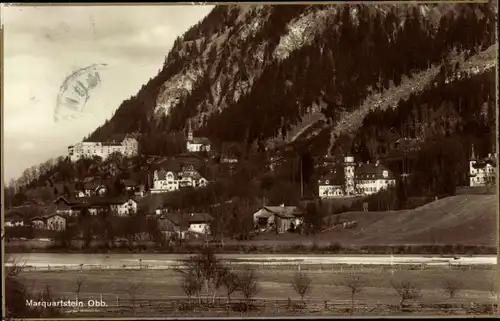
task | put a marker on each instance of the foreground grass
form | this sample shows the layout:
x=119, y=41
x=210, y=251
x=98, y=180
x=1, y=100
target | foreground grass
x=273, y=284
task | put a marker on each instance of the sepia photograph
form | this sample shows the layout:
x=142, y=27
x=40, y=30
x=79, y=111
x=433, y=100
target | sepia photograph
x=251, y=160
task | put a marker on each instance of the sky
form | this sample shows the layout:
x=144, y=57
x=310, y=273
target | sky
x=44, y=45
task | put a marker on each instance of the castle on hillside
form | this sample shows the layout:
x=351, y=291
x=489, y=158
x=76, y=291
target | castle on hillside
x=196, y=144
x=353, y=179
x=482, y=172
x=122, y=144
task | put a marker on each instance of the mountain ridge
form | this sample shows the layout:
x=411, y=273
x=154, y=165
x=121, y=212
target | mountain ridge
x=200, y=103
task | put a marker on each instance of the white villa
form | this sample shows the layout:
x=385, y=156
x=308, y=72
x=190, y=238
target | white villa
x=165, y=181
x=482, y=171
x=127, y=146
x=355, y=179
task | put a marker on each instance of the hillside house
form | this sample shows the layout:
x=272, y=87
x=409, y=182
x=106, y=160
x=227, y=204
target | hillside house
x=168, y=180
x=123, y=206
x=68, y=206
x=280, y=218
x=123, y=144
x=38, y=222
x=180, y=222
x=373, y=177
x=482, y=172
x=196, y=144
x=120, y=205
x=14, y=219
x=56, y=222
x=331, y=184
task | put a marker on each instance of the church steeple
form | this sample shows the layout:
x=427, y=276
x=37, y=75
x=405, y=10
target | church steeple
x=190, y=132
x=473, y=154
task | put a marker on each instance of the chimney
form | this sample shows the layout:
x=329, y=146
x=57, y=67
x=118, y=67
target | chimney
x=489, y=155
x=377, y=162
x=282, y=205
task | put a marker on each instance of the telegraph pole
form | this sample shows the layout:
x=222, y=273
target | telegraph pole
x=301, y=179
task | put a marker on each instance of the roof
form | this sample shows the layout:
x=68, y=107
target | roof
x=38, y=218
x=162, y=174
x=200, y=140
x=372, y=171
x=117, y=138
x=335, y=177
x=191, y=218
x=53, y=215
x=94, y=201
x=281, y=211
x=190, y=174
x=129, y=183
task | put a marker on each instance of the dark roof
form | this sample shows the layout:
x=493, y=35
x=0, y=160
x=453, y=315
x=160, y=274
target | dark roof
x=129, y=183
x=116, y=138
x=111, y=143
x=281, y=211
x=200, y=140
x=39, y=218
x=191, y=218
x=372, y=171
x=83, y=202
x=52, y=215
x=335, y=177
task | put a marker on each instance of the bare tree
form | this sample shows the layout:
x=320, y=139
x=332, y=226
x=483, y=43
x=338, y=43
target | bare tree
x=191, y=284
x=230, y=283
x=203, y=266
x=451, y=286
x=301, y=283
x=132, y=290
x=220, y=275
x=248, y=284
x=406, y=290
x=355, y=284
x=78, y=287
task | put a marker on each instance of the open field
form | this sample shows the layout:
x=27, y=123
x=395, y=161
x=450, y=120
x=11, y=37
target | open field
x=274, y=285
x=461, y=219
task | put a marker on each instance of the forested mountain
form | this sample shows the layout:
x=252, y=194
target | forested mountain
x=332, y=78
x=251, y=73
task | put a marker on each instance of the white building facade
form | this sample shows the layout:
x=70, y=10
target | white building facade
x=355, y=180
x=165, y=181
x=128, y=147
x=482, y=172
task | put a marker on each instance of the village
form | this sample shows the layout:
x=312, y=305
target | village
x=338, y=181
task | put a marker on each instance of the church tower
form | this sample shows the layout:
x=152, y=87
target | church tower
x=349, y=174
x=190, y=133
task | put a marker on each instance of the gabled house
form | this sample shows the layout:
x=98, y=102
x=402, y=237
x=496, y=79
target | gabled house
x=38, y=222
x=181, y=222
x=56, y=222
x=171, y=179
x=278, y=218
x=68, y=206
